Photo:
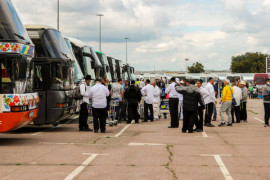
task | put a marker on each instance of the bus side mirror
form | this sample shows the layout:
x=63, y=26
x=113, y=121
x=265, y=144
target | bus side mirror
x=93, y=64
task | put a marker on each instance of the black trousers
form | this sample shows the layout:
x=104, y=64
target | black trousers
x=123, y=112
x=199, y=119
x=146, y=107
x=243, y=111
x=99, y=116
x=266, y=112
x=133, y=113
x=189, y=120
x=83, y=116
x=173, y=106
x=236, y=112
x=209, y=112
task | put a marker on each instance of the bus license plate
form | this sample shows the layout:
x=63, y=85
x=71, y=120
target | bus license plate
x=31, y=114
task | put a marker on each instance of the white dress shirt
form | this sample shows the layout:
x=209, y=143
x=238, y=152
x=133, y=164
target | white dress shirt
x=148, y=93
x=156, y=94
x=98, y=94
x=211, y=91
x=84, y=90
x=171, y=90
x=237, y=93
x=204, y=94
x=141, y=84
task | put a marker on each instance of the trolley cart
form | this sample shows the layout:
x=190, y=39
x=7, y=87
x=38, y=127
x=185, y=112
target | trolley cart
x=164, y=108
x=113, y=104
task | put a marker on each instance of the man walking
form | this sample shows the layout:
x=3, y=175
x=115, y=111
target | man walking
x=133, y=98
x=117, y=94
x=226, y=100
x=210, y=101
x=204, y=95
x=266, y=103
x=237, y=93
x=148, y=93
x=98, y=94
x=84, y=102
x=156, y=101
x=192, y=98
x=243, y=102
x=173, y=103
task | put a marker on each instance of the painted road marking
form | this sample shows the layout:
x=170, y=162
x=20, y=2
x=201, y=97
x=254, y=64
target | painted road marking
x=221, y=165
x=34, y=134
x=145, y=144
x=79, y=169
x=123, y=130
x=259, y=120
x=204, y=134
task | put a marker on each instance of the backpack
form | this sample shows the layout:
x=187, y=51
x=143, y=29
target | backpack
x=76, y=94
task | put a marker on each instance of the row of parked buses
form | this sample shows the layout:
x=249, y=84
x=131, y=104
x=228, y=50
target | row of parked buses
x=40, y=68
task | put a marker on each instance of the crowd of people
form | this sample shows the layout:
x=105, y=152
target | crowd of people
x=188, y=101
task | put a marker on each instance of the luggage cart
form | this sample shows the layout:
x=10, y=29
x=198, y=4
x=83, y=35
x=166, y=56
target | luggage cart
x=164, y=108
x=112, y=113
x=90, y=112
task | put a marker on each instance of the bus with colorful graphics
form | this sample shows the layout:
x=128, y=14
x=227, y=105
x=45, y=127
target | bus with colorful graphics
x=19, y=104
x=53, y=74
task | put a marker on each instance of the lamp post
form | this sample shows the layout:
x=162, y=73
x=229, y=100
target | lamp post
x=126, y=48
x=58, y=5
x=100, y=15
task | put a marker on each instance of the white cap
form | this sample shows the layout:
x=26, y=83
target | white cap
x=177, y=80
x=228, y=81
x=182, y=82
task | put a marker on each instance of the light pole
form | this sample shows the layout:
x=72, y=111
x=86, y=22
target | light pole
x=58, y=5
x=126, y=48
x=100, y=15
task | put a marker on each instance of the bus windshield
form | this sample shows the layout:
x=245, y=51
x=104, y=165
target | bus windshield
x=11, y=27
x=87, y=62
x=15, y=75
x=56, y=45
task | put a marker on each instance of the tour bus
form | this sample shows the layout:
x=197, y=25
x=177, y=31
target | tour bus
x=83, y=55
x=112, y=65
x=128, y=72
x=19, y=105
x=260, y=79
x=232, y=77
x=53, y=74
x=106, y=68
x=98, y=65
x=118, y=68
x=78, y=76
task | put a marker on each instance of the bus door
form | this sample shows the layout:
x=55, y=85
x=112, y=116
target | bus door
x=40, y=72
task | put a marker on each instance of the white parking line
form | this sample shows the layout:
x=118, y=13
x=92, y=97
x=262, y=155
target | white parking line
x=145, y=144
x=81, y=167
x=34, y=134
x=259, y=120
x=204, y=134
x=221, y=165
x=123, y=130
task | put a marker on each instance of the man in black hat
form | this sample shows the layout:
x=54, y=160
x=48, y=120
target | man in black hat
x=84, y=102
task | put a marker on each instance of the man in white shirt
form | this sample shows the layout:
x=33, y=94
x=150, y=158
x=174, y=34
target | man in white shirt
x=141, y=84
x=204, y=95
x=156, y=101
x=148, y=93
x=98, y=94
x=173, y=103
x=84, y=90
x=209, y=102
x=237, y=93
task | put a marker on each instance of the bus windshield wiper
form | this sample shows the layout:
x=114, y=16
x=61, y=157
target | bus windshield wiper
x=21, y=37
x=64, y=54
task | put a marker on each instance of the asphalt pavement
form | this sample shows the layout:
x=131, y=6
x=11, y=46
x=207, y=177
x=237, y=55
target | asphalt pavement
x=144, y=151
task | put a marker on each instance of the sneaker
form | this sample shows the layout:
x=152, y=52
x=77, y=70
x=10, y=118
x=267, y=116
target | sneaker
x=222, y=124
x=215, y=119
x=229, y=124
x=266, y=125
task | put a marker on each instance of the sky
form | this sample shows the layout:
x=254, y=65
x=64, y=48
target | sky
x=162, y=33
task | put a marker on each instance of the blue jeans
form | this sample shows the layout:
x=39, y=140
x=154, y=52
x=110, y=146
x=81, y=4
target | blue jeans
x=215, y=112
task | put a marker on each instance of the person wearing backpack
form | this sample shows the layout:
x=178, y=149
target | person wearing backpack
x=133, y=97
x=84, y=102
x=226, y=101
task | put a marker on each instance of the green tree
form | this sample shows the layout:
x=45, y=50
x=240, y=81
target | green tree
x=249, y=63
x=196, y=68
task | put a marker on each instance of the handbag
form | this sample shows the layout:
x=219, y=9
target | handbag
x=233, y=99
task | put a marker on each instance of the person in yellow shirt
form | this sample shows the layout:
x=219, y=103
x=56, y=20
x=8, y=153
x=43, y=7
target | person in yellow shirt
x=226, y=103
